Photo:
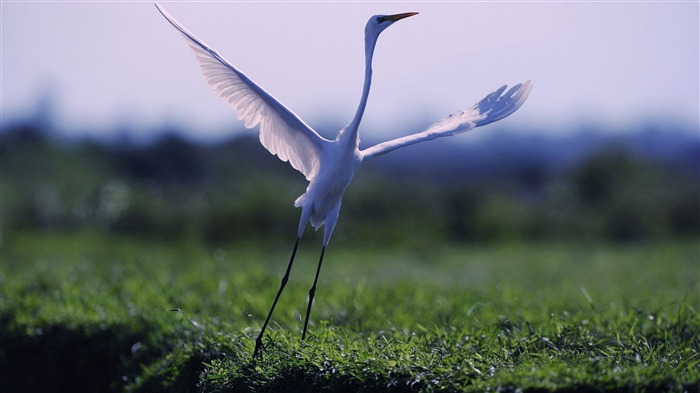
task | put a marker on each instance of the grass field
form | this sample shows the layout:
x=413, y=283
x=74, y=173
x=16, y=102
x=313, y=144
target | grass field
x=93, y=312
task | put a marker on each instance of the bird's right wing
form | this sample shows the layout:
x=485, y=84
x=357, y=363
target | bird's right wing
x=493, y=107
x=282, y=132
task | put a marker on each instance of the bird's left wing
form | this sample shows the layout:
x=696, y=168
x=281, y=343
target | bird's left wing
x=493, y=107
x=282, y=132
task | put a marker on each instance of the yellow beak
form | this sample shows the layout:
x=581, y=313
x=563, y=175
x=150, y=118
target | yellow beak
x=396, y=17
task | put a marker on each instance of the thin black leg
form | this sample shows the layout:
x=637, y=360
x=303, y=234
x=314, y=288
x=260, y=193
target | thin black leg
x=312, y=292
x=258, y=342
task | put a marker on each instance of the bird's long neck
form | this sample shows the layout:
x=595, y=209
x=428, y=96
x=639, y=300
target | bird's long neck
x=353, y=127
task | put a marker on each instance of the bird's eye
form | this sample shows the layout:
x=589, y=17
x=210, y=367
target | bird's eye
x=380, y=19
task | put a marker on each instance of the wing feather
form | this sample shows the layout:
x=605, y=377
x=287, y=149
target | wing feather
x=493, y=107
x=282, y=132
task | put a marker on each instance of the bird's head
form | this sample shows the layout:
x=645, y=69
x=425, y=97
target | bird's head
x=378, y=23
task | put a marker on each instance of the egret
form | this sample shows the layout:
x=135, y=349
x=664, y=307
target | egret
x=328, y=165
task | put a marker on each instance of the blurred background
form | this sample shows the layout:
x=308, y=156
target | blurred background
x=107, y=124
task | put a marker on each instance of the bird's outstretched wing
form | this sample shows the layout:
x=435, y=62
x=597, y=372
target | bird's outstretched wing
x=493, y=107
x=282, y=132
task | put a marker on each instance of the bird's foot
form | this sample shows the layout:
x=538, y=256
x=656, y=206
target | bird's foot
x=259, y=348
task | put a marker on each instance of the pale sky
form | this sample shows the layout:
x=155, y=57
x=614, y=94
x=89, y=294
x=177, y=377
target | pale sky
x=614, y=64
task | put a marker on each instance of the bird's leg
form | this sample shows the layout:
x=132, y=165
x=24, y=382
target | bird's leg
x=258, y=342
x=331, y=220
x=312, y=292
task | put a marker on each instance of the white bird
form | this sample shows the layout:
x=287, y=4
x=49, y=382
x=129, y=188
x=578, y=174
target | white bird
x=328, y=165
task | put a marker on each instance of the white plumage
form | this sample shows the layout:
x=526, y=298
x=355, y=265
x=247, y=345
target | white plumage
x=328, y=165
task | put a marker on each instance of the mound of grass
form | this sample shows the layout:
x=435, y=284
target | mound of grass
x=91, y=312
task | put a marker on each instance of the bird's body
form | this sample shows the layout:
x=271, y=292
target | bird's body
x=328, y=165
x=338, y=164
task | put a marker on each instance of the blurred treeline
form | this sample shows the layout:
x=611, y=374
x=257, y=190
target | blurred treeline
x=643, y=186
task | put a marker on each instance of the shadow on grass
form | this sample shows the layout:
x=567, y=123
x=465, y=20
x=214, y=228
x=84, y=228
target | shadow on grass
x=115, y=358
x=83, y=358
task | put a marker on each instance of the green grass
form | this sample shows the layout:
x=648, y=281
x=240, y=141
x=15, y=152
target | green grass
x=90, y=312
